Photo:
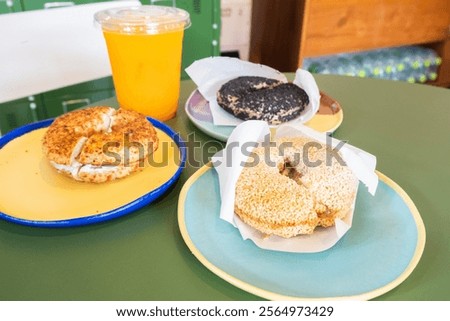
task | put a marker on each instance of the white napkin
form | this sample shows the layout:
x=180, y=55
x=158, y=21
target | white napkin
x=228, y=164
x=209, y=74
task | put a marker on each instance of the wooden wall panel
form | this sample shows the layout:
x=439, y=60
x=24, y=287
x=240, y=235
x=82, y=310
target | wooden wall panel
x=275, y=33
x=351, y=25
x=284, y=32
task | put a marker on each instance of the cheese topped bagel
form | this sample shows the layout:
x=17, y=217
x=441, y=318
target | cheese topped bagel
x=99, y=144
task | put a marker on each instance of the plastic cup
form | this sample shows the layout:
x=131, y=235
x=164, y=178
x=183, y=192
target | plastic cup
x=144, y=47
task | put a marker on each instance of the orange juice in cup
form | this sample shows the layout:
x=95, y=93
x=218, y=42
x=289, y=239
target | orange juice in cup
x=144, y=46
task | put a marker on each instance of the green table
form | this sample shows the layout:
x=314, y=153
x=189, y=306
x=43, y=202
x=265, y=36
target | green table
x=142, y=256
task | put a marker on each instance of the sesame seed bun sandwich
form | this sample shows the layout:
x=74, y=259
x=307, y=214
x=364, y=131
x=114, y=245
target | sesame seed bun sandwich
x=99, y=144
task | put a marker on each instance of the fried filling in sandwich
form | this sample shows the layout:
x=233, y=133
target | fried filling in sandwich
x=288, y=170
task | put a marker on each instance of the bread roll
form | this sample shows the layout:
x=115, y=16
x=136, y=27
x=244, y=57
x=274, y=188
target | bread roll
x=99, y=144
x=294, y=188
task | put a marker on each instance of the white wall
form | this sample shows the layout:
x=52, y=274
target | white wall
x=236, y=24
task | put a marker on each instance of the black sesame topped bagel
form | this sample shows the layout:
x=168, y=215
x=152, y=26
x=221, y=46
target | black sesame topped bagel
x=260, y=98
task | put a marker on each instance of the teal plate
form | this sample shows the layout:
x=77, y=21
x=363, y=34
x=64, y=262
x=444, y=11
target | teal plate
x=378, y=253
x=328, y=118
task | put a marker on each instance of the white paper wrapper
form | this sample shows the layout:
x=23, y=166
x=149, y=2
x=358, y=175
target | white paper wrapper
x=228, y=164
x=209, y=74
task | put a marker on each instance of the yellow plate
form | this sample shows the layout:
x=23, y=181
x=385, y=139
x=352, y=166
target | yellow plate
x=34, y=193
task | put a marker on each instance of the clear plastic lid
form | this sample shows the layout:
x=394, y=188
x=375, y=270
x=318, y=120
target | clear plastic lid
x=143, y=19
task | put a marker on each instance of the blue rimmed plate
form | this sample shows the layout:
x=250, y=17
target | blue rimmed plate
x=37, y=184
x=378, y=253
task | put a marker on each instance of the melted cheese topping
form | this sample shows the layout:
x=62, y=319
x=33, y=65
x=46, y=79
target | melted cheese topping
x=34, y=190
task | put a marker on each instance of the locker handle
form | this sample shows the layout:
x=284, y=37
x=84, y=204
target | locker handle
x=51, y=5
x=67, y=103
